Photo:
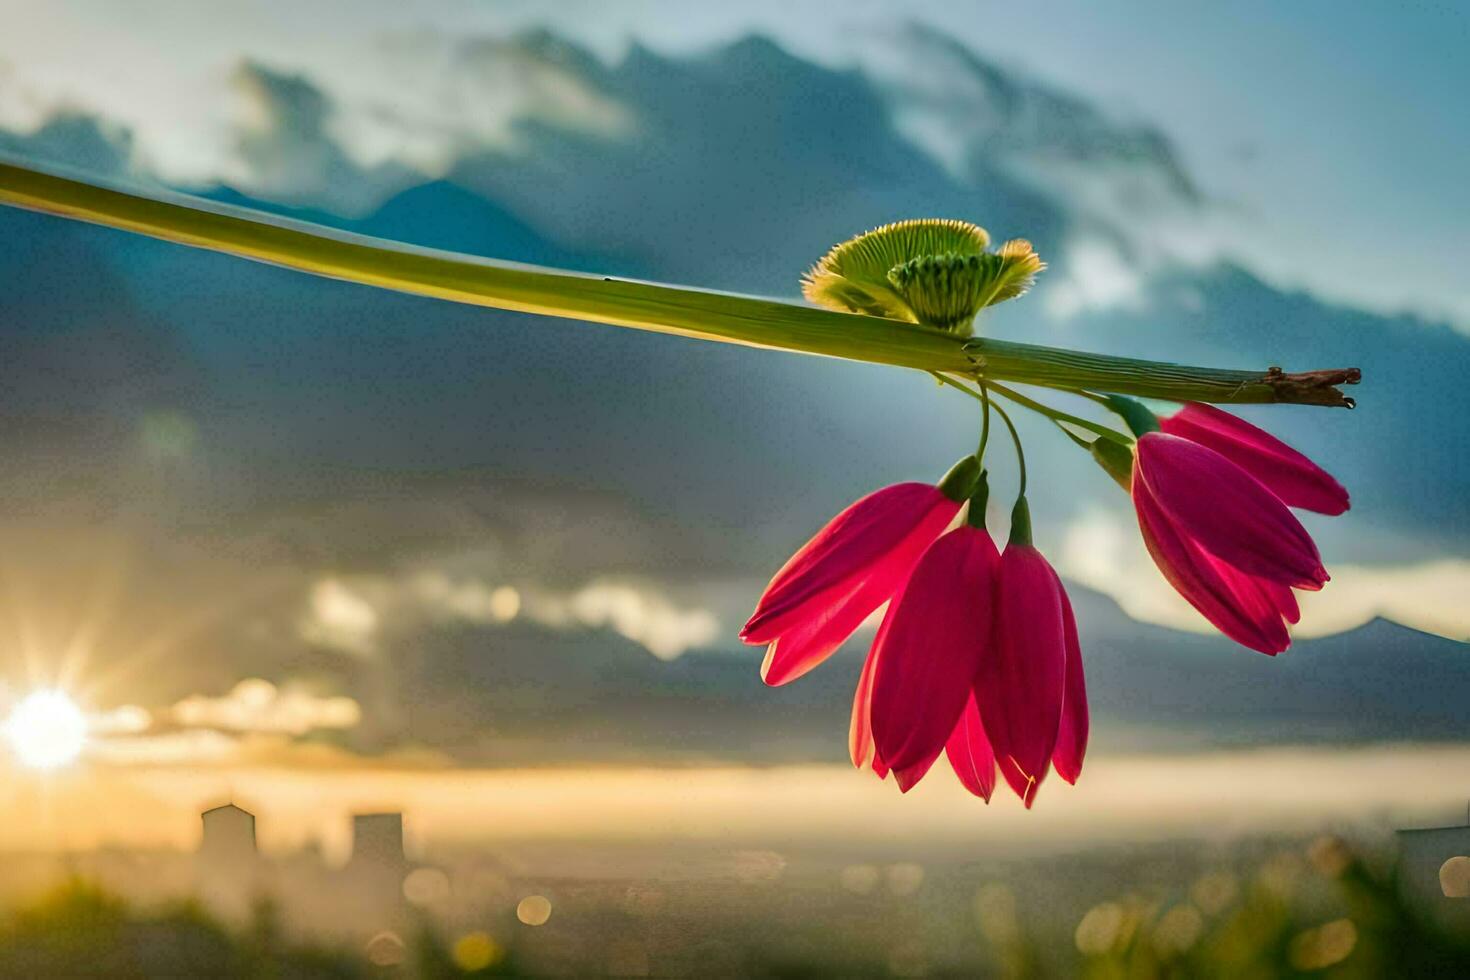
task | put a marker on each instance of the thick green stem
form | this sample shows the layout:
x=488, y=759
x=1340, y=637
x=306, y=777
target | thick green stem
x=645, y=306
x=1054, y=367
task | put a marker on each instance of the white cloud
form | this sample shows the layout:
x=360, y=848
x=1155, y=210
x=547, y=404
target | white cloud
x=360, y=615
x=341, y=618
x=1092, y=274
x=637, y=613
x=1103, y=551
x=258, y=706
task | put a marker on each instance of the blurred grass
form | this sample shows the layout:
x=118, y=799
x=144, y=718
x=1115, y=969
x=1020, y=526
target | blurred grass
x=1323, y=911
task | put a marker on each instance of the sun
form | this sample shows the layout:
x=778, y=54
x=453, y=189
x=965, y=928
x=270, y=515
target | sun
x=46, y=730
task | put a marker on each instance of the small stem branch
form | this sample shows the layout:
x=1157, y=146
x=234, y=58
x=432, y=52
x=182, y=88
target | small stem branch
x=1057, y=415
x=644, y=305
x=1020, y=453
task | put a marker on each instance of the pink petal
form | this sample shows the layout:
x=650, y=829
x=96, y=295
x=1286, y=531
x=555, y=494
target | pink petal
x=1227, y=511
x=1020, y=685
x=909, y=776
x=860, y=747
x=1021, y=784
x=1294, y=478
x=928, y=657
x=1228, y=598
x=849, y=549
x=1073, y=730
x=969, y=753
x=806, y=645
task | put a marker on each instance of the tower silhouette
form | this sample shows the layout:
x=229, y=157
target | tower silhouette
x=229, y=836
x=377, y=841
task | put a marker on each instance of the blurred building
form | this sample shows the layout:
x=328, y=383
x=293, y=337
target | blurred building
x=227, y=868
x=1434, y=871
x=377, y=842
x=229, y=836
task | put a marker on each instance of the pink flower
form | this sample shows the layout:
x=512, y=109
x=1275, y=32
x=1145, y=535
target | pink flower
x=850, y=568
x=1288, y=474
x=1030, y=690
x=1223, y=538
x=924, y=660
x=978, y=658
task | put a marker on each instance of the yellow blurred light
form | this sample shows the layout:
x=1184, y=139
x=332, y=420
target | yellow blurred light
x=1324, y=946
x=1454, y=877
x=534, y=910
x=425, y=886
x=1178, y=929
x=476, y=951
x=46, y=730
x=505, y=603
x=385, y=949
x=1100, y=929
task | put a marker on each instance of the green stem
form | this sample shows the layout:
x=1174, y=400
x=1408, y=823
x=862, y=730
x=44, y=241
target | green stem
x=984, y=424
x=1020, y=453
x=983, y=397
x=1089, y=395
x=642, y=305
x=1057, y=415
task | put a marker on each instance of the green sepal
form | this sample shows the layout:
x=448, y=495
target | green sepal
x=1021, y=523
x=1135, y=413
x=959, y=482
x=1116, y=461
x=979, y=498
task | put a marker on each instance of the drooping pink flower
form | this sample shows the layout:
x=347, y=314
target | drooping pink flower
x=1227, y=511
x=1288, y=474
x=1227, y=543
x=924, y=660
x=977, y=658
x=1021, y=687
x=850, y=568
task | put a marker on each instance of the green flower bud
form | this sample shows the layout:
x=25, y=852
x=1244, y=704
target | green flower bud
x=930, y=271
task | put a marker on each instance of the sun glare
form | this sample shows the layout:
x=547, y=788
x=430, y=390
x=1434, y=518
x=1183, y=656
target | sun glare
x=46, y=730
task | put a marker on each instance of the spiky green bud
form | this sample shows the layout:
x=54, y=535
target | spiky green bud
x=931, y=271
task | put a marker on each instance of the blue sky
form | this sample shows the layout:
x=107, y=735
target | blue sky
x=1333, y=133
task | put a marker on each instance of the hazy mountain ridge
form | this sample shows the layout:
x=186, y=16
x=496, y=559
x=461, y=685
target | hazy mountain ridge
x=1150, y=689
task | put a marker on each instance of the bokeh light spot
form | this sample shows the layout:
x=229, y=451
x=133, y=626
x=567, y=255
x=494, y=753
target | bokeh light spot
x=425, y=886
x=1178, y=929
x=534, y=910
x=505, y=603
x=385, y=949
x=476, y=951
x=1324, y=946
x=1100, y=929
x=1454, y=877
